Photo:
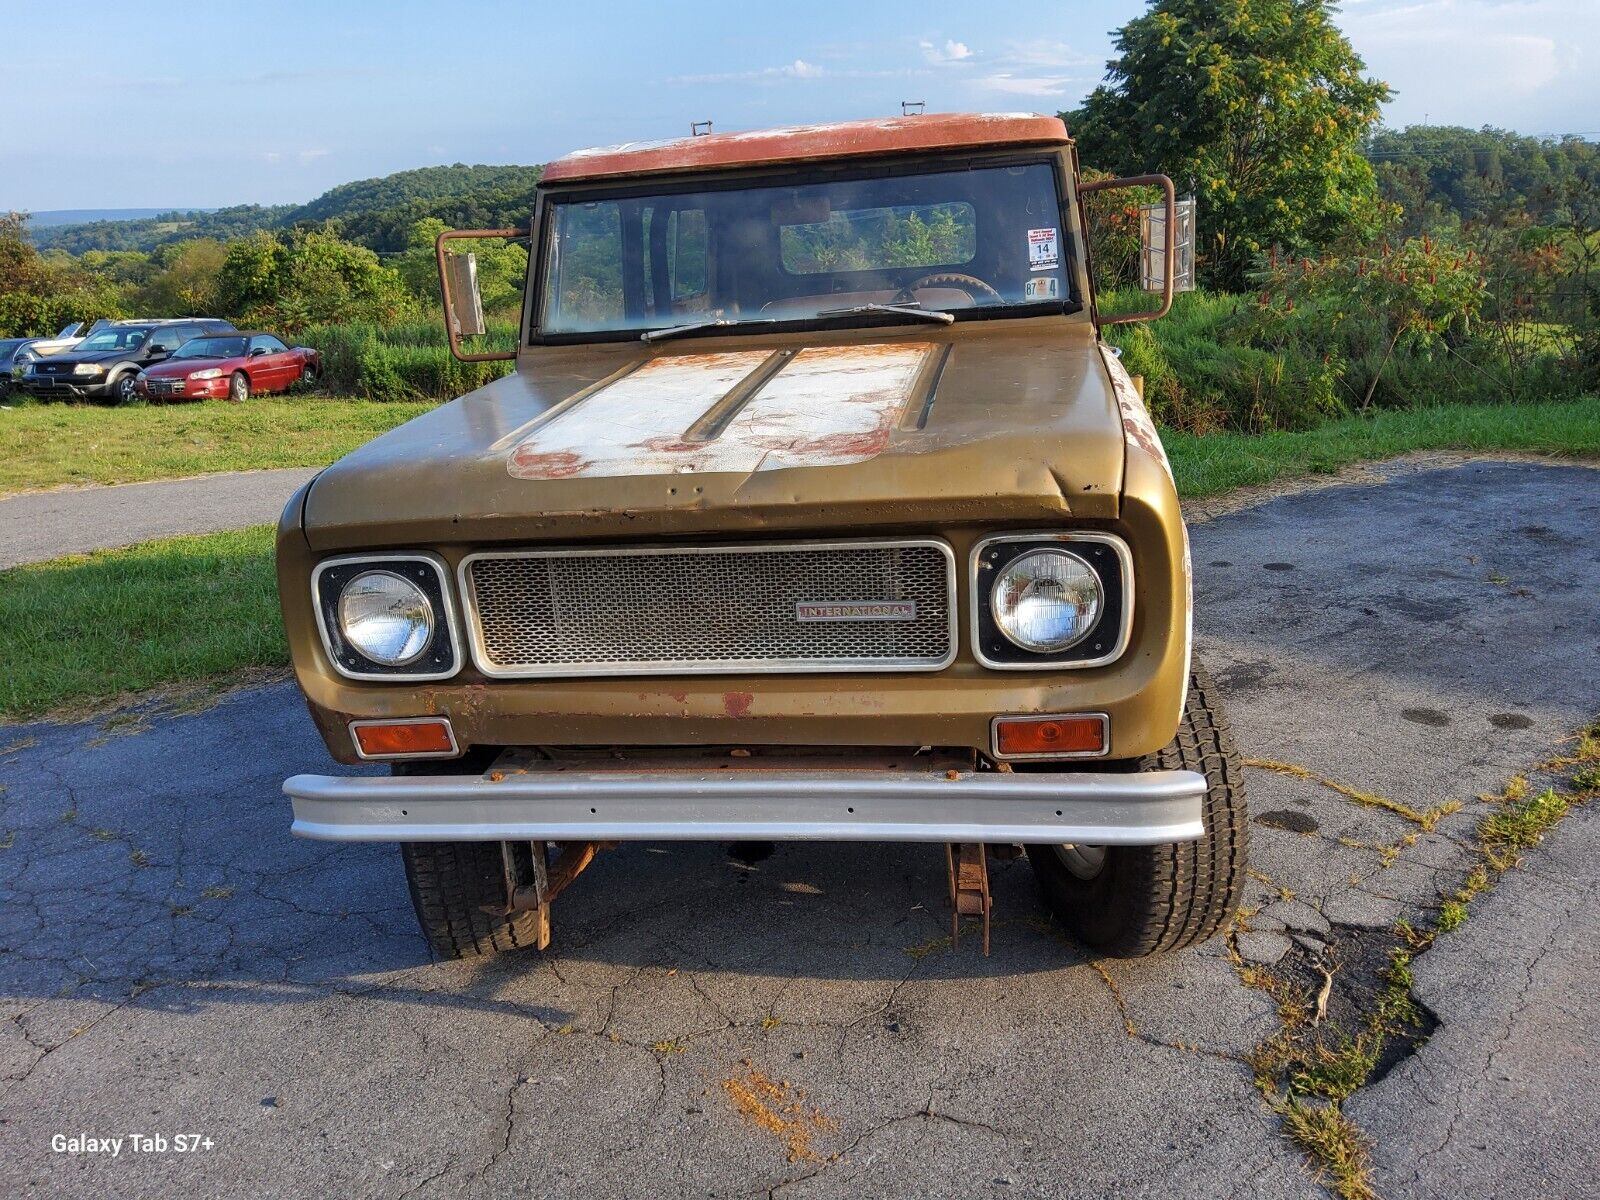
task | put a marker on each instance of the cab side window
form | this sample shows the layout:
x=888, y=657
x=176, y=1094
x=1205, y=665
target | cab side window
x=268, y=343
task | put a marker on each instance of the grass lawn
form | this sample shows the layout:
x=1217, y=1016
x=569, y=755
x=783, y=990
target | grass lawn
x=86, y=628
x=1220, y=462
x=47, y=445
x=89, y=627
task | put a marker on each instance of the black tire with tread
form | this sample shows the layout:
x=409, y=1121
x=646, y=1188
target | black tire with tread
x=450, y=882
x=1152, y=899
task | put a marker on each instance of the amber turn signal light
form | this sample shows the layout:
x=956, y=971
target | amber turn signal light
x=407, y=738
x=1069, y=735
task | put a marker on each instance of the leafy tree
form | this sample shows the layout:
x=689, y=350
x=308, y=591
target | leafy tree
x=38, y=295
x=502, y=267
x=1443, y=175
x=308, y=277
x=188, y=279
x=1260, y=106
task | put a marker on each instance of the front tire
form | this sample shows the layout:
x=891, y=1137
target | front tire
x=1132, y=901
x=239, y=387
x=124, y=389
x=451, y=882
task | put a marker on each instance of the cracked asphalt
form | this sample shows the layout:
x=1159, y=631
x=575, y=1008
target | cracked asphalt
x=171, y=961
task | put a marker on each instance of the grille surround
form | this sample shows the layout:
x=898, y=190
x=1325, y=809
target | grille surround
x=933, y=634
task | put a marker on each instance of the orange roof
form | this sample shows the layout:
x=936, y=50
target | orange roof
x=795, y=143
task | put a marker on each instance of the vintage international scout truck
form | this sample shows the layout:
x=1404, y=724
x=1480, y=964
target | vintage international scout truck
x=814, y=508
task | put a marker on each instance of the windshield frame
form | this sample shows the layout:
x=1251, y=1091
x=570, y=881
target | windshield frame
x=790, y=175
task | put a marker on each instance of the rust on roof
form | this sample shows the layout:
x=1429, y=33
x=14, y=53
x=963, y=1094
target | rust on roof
x=795, y=143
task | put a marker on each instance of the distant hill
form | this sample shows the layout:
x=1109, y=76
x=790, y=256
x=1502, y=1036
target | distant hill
x=375, y=212
x=84, y=216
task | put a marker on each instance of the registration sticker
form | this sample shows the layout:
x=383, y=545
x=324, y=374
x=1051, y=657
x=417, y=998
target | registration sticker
x=1043, y=249
x=1045, y=287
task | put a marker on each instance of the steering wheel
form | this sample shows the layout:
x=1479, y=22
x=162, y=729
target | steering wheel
x=970, y=284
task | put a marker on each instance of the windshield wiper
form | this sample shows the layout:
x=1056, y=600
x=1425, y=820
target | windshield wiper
x=656, y=335
x=906, y=310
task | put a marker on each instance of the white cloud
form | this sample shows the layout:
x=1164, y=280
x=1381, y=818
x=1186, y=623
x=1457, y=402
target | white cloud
x=1445, y=57
x=1013, y=84
x=799, y=69
x=950, y=53
x=1045, y=54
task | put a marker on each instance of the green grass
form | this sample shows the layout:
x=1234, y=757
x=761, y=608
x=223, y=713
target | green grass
x=1220, y=462
x=47, y=445
x=87, y=628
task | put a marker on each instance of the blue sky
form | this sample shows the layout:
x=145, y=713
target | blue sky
x=272, y=103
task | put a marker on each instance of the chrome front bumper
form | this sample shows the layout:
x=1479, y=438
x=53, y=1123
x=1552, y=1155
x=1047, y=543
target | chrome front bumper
x=1106, y=809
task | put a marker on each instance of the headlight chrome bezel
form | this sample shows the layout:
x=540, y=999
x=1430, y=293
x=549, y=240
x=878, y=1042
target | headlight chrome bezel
x=441, y=656
x=1104, y=642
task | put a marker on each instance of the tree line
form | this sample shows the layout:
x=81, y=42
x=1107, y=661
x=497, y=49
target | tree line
x=376, y=213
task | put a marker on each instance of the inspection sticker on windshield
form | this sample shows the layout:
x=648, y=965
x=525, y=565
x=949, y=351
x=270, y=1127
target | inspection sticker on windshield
x=1042, y=249
x=1046, y=287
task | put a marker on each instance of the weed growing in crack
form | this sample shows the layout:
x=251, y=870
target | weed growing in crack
x=1427, y=819
x=1452, y=915
x=1308, y=1067
x=1521, y=824
x=1340, y=1151
x=1337, y=1072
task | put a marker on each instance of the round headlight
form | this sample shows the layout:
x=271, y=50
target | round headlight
x=1046, y=600
x=386, y=618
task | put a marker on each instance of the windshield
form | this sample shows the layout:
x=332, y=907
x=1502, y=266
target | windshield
x=956, y=241
x=211, y=347
x=121, y=337
x=8, y=347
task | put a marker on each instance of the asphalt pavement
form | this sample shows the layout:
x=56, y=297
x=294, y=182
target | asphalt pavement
x=36, y=526
x=721, y=1023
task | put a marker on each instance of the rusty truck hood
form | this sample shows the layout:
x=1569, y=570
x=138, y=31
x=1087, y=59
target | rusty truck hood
x=921, y=426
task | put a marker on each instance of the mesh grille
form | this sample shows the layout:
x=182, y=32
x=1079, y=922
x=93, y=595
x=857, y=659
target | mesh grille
x=703, y=611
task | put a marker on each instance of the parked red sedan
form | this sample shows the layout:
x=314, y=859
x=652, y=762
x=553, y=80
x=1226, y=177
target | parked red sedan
x=232, y=365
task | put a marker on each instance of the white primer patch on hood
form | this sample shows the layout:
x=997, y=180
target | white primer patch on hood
x=827, y=406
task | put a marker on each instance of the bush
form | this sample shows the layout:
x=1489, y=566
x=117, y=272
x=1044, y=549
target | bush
x=1202, y=373
x=1401, y=327
x=402, y=362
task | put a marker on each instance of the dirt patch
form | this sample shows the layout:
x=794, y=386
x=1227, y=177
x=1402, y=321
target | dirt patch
x=780, y=1109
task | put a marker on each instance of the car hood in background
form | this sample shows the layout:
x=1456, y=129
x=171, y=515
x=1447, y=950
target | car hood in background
x=982, y=421
x=62, y=364
x=167, y=369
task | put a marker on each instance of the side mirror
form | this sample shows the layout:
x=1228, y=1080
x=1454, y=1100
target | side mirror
x=258, y=351
x=156, y=352
x=458, y=283
x=1158, y=227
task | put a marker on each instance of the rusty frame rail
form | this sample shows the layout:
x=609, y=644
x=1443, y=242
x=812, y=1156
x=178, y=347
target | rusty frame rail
x=452, y=235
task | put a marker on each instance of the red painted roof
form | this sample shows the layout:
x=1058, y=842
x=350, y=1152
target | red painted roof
x=794, y=143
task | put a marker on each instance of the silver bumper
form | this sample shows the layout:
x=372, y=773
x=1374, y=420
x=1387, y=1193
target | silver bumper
x=1105, y=809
